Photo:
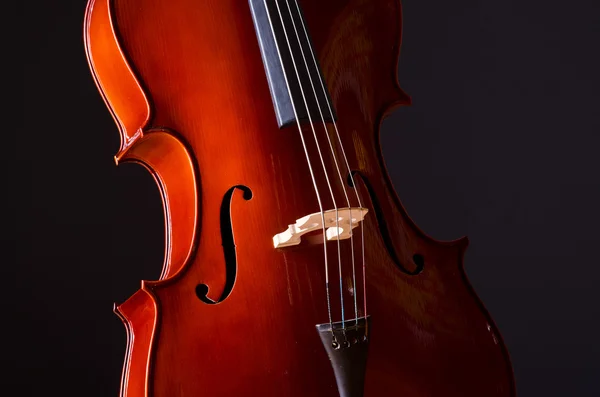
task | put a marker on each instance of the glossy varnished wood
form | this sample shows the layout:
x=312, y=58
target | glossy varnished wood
x=186, y=85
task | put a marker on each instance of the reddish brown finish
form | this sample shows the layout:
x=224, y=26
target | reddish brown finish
x=204, y=122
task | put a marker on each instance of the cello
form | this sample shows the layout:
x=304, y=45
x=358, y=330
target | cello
x=291, y=267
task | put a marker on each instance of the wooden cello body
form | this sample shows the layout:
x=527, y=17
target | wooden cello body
x=233, y=315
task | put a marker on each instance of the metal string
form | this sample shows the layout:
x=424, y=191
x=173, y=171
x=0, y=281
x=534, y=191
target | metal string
x=347, y=166
x=334, y=157
x=337, y=218
x=312, y=174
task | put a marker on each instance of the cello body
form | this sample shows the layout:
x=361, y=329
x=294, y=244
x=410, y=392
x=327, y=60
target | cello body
x=231, y=315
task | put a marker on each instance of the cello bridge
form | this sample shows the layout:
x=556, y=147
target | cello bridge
x=335, y=229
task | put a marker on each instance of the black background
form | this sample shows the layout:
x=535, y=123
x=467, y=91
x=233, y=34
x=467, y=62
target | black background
x=501, y=144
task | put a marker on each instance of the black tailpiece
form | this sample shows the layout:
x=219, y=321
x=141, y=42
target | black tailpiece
x=347, y=347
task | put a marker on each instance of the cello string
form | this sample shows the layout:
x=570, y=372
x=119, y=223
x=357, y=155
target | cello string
x=335, y=162
x=312, y=174
x=312, y=127
x=337, y=132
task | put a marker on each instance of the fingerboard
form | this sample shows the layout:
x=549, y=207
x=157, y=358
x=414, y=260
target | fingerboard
x=290, y=62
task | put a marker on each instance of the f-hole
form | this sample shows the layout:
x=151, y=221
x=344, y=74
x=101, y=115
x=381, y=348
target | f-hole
x=228, y=243
x=418, y=259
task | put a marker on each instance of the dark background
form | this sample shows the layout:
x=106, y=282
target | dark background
x=502, y=144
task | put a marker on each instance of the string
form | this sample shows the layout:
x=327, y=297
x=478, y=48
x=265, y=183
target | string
x=312, y=174
x=334, y=157
x=337, y=217
x=345, y=160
